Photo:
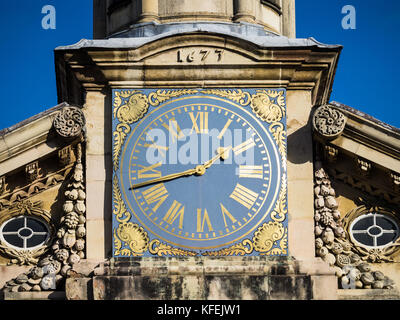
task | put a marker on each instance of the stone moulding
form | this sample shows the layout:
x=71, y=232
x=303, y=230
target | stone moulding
x=10, y=197
x=68, y=245
x=332, y=243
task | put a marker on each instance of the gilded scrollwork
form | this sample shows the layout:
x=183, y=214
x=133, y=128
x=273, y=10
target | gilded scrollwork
x=280, y=210
x=269, y=105
x=129, y=107
x=134, y=237
x=267, y=236
x=160, y=249
x=238, y=249
x=121, y=213
x=161, y=96
x=238, y=96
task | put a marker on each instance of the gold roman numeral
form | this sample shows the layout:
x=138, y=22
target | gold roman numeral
x=255, y=172
x=160, y=149
x=156, y=194
x=149, y=172
x=174, y=129
x=244, y=146
x=202, y=219
x=244, y=196
x=200, y=122
x=221, y=134
x=226, y=213
x=174, y=212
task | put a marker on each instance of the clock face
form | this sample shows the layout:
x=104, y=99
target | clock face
x=198, y=172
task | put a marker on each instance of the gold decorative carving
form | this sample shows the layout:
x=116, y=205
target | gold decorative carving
x=160, y=96
x=238, y=96
x=268, y=235
x=238, y=249
x=158, y=248
x=279, y=133
x=119, y=134
x=280, y=210
x=269, y=105
x=135, y=237
x=122, y=215
x=133, y=110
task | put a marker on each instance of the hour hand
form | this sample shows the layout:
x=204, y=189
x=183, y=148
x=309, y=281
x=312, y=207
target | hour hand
x=165, y=178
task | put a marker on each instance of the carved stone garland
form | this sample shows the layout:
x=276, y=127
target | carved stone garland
x=68, y=246
x=333, y=246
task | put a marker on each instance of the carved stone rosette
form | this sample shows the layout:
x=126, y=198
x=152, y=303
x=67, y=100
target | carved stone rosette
x=68, y=246
x=69, y=122
x=328, y=122
x=332, y=243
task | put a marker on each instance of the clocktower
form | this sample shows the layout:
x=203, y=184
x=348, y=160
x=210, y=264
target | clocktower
x=199, y=152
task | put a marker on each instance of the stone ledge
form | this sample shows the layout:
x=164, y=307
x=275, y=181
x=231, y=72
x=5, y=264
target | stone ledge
x=368, y=294
x=43, y=295
x=205, y=278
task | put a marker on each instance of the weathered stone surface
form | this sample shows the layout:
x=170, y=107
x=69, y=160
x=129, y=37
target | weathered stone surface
x=234, y=278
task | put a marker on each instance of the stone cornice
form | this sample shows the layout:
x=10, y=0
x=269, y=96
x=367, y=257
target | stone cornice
x=274, y=61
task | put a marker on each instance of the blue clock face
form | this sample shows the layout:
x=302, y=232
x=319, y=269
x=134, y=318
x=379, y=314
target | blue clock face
x=199, y=172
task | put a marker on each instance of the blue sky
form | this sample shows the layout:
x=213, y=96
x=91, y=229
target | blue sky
x=365, y=79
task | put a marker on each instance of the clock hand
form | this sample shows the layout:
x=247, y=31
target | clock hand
x=165, y=178
x=222, y=153
x=199, y=170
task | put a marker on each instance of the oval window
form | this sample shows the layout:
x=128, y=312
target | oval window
x=24, y=233
x=374, y=230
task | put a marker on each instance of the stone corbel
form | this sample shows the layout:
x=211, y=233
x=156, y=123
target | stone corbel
x=65, y=156
x=331, y=153
x=364, y=166
x=395, y=178
x=33, y=172
x=328, y=122
x=3, y=186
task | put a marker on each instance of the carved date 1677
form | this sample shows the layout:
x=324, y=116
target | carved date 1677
x=199, y=55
